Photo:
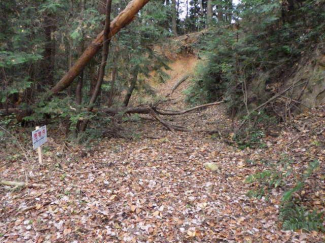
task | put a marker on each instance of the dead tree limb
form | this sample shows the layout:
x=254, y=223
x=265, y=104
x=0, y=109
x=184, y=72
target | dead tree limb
x=179, y=82
x=165, y=124
x=122, y=20
x=175, y=113
x=170, y=127
x=147, y=110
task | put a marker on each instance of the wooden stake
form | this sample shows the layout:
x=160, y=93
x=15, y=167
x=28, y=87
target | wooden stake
x=39, y=151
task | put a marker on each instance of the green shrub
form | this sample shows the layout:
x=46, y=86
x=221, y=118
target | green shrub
x=296, y=217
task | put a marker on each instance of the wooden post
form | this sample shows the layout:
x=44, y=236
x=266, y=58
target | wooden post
x=39, y=151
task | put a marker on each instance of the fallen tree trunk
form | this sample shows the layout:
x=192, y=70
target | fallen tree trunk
x=155, y=112
x=170, y=127
x=175, y=113
x=122, y=20
x=144, y=110
x=148, y=109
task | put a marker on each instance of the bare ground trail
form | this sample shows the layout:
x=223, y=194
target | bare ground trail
x=151, y=189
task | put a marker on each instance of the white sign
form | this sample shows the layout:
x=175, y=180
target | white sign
x=39, y=137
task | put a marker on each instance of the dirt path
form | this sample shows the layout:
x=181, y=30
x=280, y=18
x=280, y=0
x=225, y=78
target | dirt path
x=154, y=188
x=151, y=190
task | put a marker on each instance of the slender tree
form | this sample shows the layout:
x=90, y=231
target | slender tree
x=209, y=13
x=102, y=67
x=81, y=76
x=131, y=88
x=174, y=17
x=104, y=55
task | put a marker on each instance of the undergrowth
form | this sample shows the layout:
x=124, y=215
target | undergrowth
x=293, y=213
x=295, y=217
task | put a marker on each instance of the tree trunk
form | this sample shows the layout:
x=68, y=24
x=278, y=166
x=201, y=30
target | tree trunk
x=101, y=72
x=209, y=13
x=123, y=19
x=112, y=90
x=230, y=10
x=186, y=9
x=174, y=18
x=131, y=89
x=220, y=13
x=49, y=50
x=102, y=67
x=79, y=89
x=81, y=76
x=106, y=42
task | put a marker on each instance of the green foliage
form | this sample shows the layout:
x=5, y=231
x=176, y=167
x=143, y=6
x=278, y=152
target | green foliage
x=288, y=195
x=269, y=40
x=252, y=136
x=272, y=178
x=16, y=87
x=265, y=181
x=50, y=7
x=10, y=59
x=136, y=54
x=296, y=217
x=292, y=214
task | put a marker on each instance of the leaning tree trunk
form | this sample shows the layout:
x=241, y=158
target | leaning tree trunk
x=123, y=19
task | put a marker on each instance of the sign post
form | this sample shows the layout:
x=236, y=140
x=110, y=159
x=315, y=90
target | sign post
x=39, y=137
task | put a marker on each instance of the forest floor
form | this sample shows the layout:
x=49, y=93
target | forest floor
x=155, y=187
